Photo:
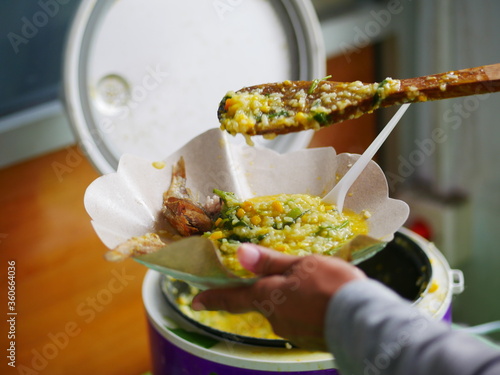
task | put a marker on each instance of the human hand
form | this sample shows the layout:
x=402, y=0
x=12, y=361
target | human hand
x=293, y=293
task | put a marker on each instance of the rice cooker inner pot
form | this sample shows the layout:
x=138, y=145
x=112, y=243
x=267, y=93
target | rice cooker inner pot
x=402, y=266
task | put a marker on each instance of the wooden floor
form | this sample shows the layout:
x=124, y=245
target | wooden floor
x=76, y=313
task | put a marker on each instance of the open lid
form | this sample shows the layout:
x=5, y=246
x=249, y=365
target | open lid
x=146, y=77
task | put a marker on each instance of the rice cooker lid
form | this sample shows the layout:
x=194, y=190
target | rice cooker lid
x=146, y=77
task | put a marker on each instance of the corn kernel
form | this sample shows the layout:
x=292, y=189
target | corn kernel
x=302, y=118
x=229, y=103
x=255, y=220
x=240, y=213
x=247, y=206
x=159, y=164
x=216, y=235
x=434, y=286
x=282, y=247
x=277, y=206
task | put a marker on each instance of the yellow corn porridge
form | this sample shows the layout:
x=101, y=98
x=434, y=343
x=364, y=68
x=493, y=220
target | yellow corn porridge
x=296, y=224
x=308, y=109
x=250, y=324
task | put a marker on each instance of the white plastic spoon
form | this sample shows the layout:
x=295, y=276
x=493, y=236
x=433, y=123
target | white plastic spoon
x=337, y=195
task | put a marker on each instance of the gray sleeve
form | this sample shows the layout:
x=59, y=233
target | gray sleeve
x=372, y=331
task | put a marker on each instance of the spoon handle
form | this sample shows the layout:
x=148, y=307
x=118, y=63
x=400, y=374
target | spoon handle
x=338, y=193
x=472, y=81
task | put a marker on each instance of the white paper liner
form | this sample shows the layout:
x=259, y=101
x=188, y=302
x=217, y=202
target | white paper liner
x=128, y=202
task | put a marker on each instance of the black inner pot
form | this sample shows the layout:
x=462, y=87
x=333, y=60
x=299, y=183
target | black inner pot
x=402, y=266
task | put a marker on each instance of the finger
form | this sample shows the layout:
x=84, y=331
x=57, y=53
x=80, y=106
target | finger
x=263, y=261
x=234, y=300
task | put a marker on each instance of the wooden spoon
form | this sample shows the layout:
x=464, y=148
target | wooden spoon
x=292, y=106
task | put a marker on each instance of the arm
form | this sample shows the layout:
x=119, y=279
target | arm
x=325, y=303
x=371, y=330
x=293, y=294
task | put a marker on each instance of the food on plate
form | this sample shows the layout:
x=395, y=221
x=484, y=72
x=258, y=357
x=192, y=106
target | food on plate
x=139, y=245
x=180, y=208
x=297, y=224
x=291, y=106
x=186, y=215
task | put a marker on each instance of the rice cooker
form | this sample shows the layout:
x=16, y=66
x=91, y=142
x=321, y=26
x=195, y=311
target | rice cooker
x=411, y=266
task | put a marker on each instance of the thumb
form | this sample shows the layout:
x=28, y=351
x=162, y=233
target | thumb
x=263, y=261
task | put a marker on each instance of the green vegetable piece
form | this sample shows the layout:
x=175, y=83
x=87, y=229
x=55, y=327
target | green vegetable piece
x=241, y=223
x=295, y=213
x=194, y=337
x=278, y=114
x=321, y=118
x=343, y=225
x=229, y=198
x=377, y=98
x=337, y=227
x=226, y=224
x=261, y=237
x=332, y=251
x=233, y=237
x=315, y=84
